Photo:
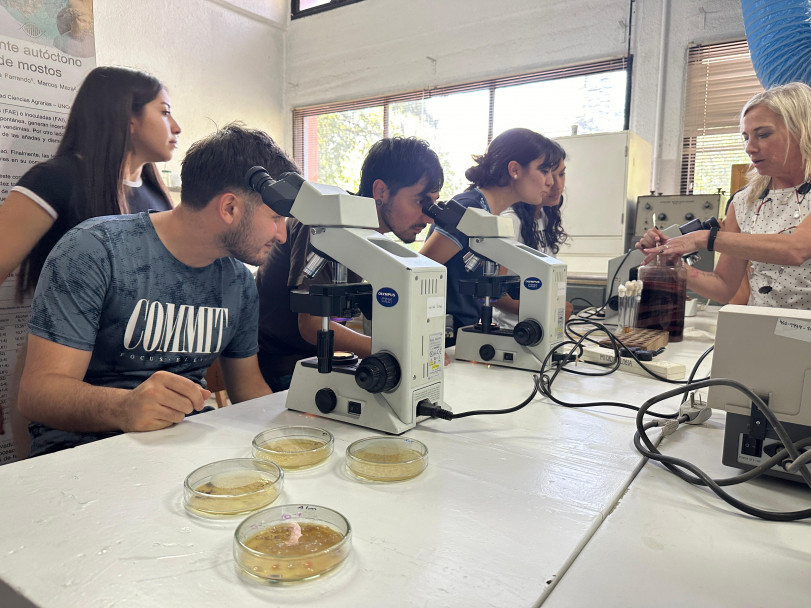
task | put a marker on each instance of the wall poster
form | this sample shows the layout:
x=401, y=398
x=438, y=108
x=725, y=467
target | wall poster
x=46, y=49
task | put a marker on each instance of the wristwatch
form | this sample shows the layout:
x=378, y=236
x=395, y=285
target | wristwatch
x=711, y=238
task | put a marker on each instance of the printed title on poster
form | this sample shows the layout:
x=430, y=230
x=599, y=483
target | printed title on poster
x=37, y=61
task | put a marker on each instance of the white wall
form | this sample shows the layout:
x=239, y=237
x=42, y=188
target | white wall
x=221, y=60
x=385, y=46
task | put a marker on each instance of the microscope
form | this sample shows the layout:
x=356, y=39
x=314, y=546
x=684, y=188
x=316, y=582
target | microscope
x=539, y=284
x=403, y=295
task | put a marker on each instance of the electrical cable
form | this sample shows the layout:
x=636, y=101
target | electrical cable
x=781, y=432
x=699, y=477
x=618, y=351
x=543, y=381
x=804, y=458
x=426, y=408
x=609, y=288
x=691, y=377
x=579, y=299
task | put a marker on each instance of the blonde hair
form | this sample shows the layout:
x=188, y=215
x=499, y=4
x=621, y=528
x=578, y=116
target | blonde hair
x=792, y=103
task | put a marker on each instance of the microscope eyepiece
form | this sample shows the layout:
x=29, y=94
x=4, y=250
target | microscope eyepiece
x=279, y=194
x=697, y=224
x=445, y=214
x=257, y=177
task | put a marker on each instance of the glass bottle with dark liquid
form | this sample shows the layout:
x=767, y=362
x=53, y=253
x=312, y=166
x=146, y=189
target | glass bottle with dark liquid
x=664, y=292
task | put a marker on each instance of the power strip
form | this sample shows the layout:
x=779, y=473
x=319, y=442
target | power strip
x=666, y=369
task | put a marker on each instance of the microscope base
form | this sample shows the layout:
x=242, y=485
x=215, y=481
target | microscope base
x=352, y=404
x=506, y=352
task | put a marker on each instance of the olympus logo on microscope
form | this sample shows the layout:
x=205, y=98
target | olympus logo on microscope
x=533, y=283
x=386, y=296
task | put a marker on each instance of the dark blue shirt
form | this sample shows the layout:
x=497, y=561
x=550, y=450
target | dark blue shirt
x=465, y=309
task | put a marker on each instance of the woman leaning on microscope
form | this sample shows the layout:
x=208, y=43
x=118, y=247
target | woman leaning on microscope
x=768, y=222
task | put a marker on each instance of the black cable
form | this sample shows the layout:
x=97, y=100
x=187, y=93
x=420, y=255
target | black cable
x=672, y=462
x=675, y=465
x=543, y=387
x=579, y=299
x=426, y=408
x=618, y=347
x=543, y=382
x=691, y=377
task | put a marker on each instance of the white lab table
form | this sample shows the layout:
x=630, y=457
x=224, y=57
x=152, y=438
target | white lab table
x=505, y=505
x=669, y=543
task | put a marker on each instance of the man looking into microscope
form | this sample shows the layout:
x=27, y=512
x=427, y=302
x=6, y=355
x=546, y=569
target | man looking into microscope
x=400, y=174
x=130, y=310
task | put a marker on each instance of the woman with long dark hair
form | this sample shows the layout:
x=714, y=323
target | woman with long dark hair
x=119, y=126
x=517, y=167
x=539, y=227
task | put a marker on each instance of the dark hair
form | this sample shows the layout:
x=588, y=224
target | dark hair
x=400, y=162
x=491, y=169
x=97, y=135
x=219, y=162
x=521, y=145
x=553, y=234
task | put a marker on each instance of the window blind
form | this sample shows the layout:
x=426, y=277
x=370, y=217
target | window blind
x=303, y=117
x=720, y=80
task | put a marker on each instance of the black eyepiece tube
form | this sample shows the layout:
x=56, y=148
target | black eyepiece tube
x=258, y=177
x=697, y=224
x=445, y=214
x=279, y=194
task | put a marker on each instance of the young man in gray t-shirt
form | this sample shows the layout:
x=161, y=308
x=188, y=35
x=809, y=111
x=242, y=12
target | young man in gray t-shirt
x=131, y=310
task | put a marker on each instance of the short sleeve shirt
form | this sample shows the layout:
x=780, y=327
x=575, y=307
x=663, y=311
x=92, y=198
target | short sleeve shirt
x=779, y=212
x=464, y=309
x=111, y=287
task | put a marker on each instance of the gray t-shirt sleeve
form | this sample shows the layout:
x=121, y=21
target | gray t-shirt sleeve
x=70, y=294
x=245, y=342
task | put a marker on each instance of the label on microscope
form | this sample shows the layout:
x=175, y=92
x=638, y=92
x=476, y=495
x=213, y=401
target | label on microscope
x=387, y=297
x=533, y=283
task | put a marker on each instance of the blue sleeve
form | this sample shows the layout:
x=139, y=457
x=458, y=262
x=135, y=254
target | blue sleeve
x=71, y=291
x=457, y=237
x=467, y=199
x=245, y=342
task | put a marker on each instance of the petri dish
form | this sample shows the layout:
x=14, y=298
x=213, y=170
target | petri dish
x=232, y=487
x=294, y=447
x=387, y=458
x=292, y=543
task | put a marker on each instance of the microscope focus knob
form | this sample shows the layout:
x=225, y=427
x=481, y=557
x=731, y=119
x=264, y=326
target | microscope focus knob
x=378, y=373
x=325, y=400
x=487, y=352
x=528, y=333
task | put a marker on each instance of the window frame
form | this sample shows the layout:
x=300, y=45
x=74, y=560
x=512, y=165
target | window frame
x=297, y=13
x=597, y=67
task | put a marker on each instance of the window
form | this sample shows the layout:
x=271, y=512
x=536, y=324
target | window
x=330, y=141
x=720, y=80
x=303, y=8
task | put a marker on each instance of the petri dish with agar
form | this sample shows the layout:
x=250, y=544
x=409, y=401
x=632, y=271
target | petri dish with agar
x=232, y=487
x=292, y=543
x=387, y=458
x=294, y=447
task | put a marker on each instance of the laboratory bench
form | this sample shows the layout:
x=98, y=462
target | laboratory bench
x=546, y=505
